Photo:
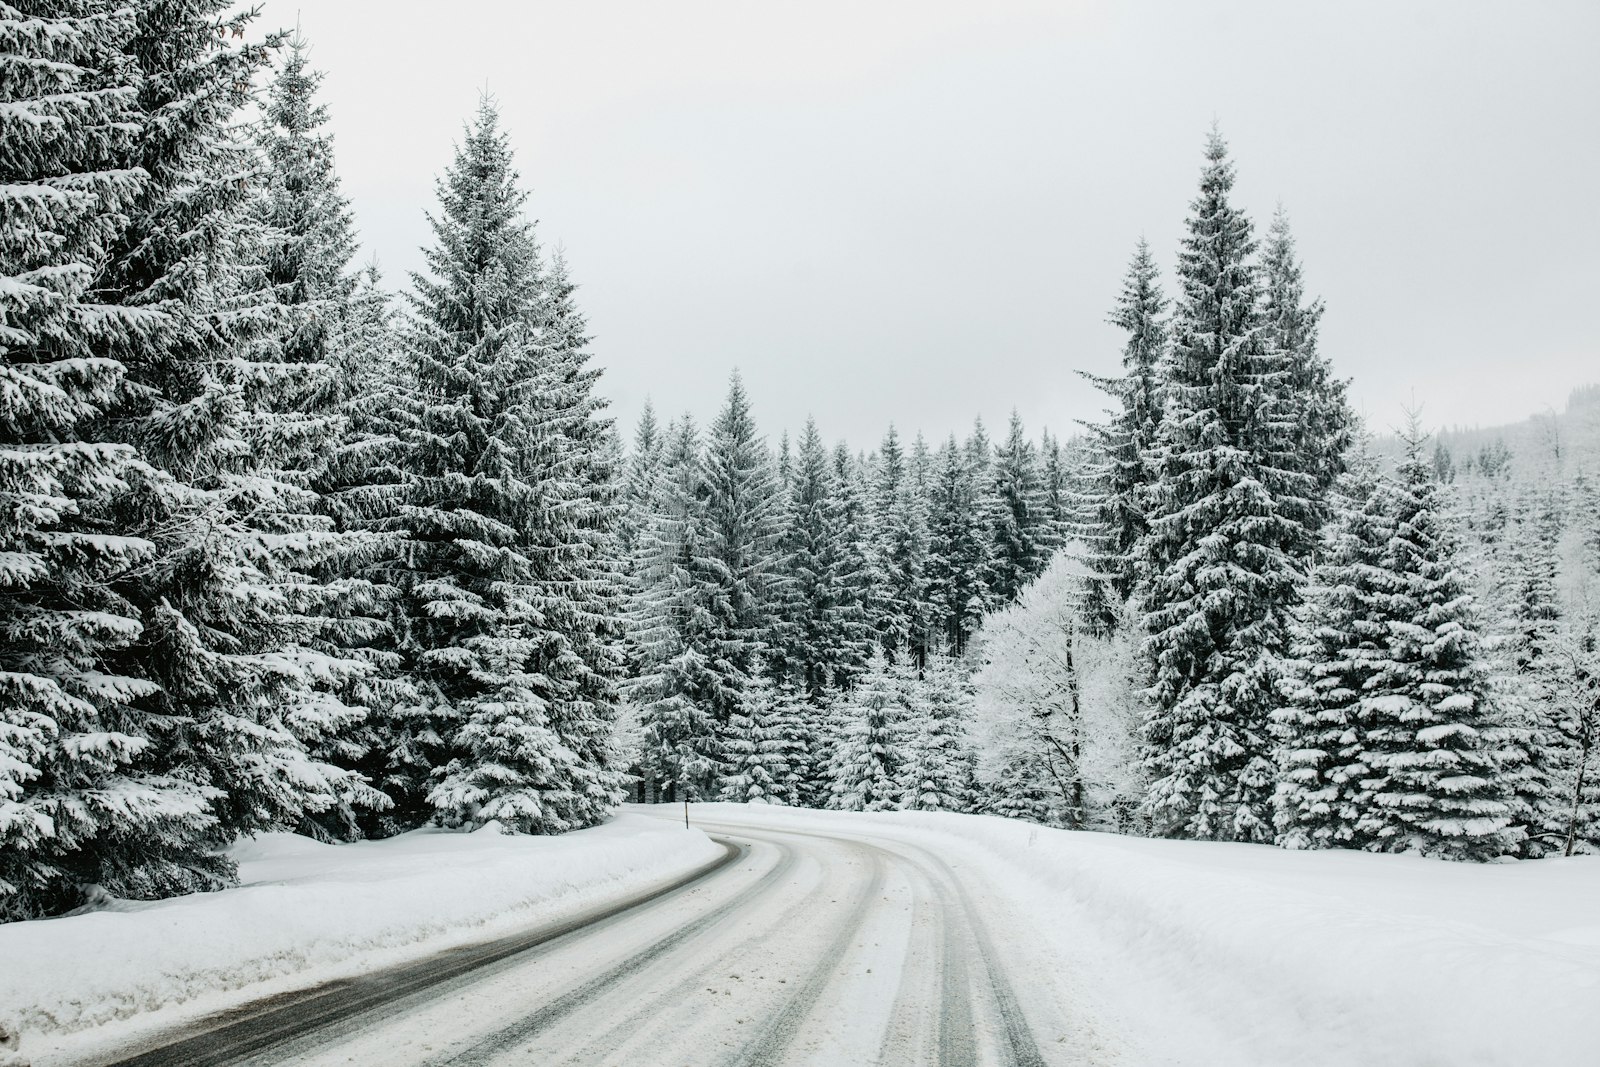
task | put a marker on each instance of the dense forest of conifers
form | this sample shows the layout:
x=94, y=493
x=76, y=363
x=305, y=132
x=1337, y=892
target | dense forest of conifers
x=281, y=550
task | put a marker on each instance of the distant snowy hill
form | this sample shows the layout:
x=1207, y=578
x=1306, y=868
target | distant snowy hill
x=1545, y=443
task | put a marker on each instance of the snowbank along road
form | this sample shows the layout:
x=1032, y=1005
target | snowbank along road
x=794, y=947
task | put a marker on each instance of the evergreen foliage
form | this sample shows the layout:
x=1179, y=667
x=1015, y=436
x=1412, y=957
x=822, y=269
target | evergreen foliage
x=1229, y=521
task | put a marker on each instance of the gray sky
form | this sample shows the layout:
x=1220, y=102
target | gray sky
x=921, y=211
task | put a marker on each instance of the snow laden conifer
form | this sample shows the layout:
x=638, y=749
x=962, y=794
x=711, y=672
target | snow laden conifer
x=756, y=752
x=76, y=778
x=238, y=693
x=827, y=638
x=739, y=552
x=937, y=768
x=667, y=626
x=899, y=552
x=958, y=565
x=1017, y=527
x=1112, y=502
x=865, y=765
x=1338, y=649
x=1227, y=519
x=1430, y=731
x=317, y=375
x=516, y=671
x=1321, y=421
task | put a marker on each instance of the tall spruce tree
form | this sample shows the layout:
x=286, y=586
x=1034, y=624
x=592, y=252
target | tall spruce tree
x=959, y=560
x=1321, y=422
x=78, y=786
x=865, y=765
x=1338, y=649
x=304, y=379
x=1227, y=523
x=507, y=601
x=828, y=638
x=1113, y=502
x=739, y=565
x=1430, y=730
x=1018, y=526
x=899, y=550
x=239, y=694
x=669, y=623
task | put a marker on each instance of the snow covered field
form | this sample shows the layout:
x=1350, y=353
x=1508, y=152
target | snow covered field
x=1147, y=952
x=1205, y=953
x=308, y=912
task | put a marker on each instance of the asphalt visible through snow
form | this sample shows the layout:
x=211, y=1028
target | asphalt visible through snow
x=791, y=948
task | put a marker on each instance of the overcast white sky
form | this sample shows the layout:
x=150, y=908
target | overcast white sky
x=921, y=211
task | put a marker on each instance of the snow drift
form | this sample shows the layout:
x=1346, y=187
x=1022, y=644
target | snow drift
x=311, y=912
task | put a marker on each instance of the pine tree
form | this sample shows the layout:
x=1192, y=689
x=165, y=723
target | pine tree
x=1017, y=527
x=644, y=465
x=757, y=753
x=509, y=610
x=238, y=694
x=937, y=771
x=864, y=767
x=739, y=562
x=958, y=563
x=1115, y=499
x=1429, y=726
x=899, y=550
x=302, y=420
x=1226, y=519
x=1339, y=639
x=826, y=635
x=1320, y=420
x=668, y=623
x=76, y=778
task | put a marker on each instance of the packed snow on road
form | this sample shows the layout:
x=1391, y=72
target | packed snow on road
x=1113, y=949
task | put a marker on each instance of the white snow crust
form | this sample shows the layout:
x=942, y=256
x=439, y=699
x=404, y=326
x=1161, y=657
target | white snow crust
x=1206, y=953
x=307, y=912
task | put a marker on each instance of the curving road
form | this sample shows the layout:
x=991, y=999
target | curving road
x=793, y=948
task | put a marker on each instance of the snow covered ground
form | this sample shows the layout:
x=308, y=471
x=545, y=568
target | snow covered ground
x=308, y=912
x=1119, y=950
x=1203, y=953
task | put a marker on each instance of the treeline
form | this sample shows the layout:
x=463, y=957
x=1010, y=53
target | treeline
x=789, y=609
x=1317, y=651
x=272, y=555
x=276, y=553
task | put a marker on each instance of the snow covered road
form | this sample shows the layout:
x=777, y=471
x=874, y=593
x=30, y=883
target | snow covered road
x=802, y=947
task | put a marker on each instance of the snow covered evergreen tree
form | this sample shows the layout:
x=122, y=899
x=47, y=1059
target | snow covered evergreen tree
x=864, y=767
x=302, y=424
x=668, y=622
x=1228, y=518
x=958, y=563
x=1321, y=420
x=756, y=751
x=1017, y=528
x=1338, y=649
x=1429, y=728
x=508, y=606
x=899, y=552
x=237, y=693
x=1123, y=447
x=827, y=637
x=739, y=562
x=76, y=778
x=936, y=772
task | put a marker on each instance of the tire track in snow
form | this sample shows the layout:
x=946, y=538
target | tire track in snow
x=768, y=1045
x=350, y=1003
x=956, y=1046
x=528, y=1027
x=689, y=984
